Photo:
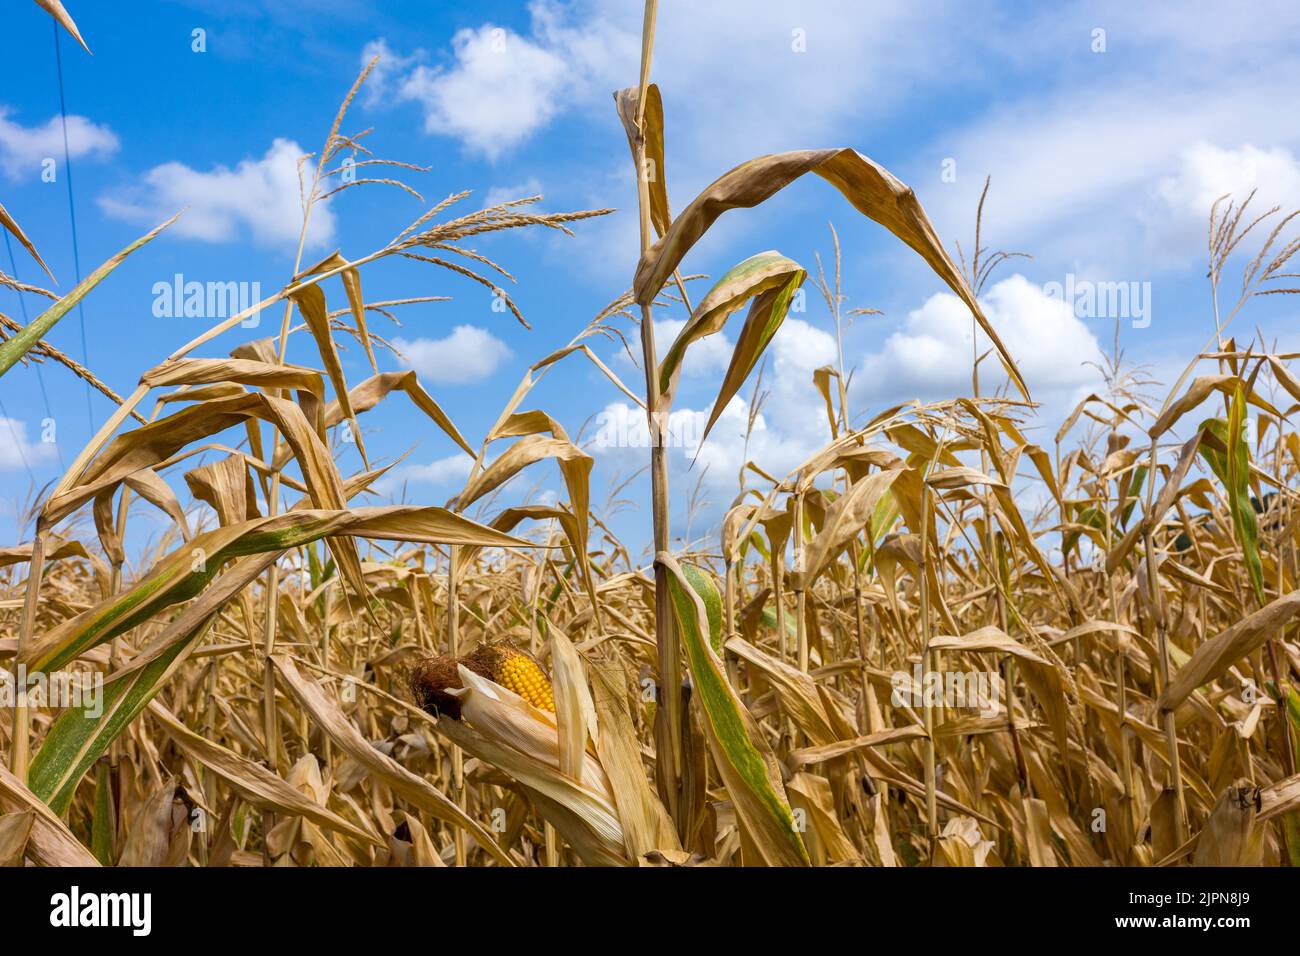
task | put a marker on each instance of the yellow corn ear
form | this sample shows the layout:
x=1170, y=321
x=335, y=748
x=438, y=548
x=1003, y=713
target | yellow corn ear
x=518, y=672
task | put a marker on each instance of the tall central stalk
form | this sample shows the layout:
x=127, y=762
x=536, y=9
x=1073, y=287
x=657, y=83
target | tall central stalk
x=668, y=710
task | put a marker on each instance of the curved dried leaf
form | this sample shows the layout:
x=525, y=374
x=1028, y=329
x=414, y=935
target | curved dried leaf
x=869, y=187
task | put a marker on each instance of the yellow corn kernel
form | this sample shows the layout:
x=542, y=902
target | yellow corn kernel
x=520, y=673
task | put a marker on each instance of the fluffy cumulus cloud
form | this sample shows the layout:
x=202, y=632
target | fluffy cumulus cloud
x=257, y=198
x=389, y=68
x=708, y=356
x=1076, y=153
x=17, y=451
x=442, y=473
x=1178, y=215
x=790, y=426
x=798, y=349
x=930, y=355
x=499, y=89
x=496, y=87
x=24, y=148
x=468, y=354
x=622, y=440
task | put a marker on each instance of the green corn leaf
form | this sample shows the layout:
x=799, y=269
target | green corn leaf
x=704, y=585
x=79, y=738
x=101, y=825
x=1134, y=492
x=23, y=340
x=741, y=283
x=744, y=760
x=186, y=572
x=1231, y=466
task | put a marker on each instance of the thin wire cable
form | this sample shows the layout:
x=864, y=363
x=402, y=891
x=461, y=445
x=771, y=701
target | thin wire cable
x=40, y=374
x=18, y=442
x=72, y=216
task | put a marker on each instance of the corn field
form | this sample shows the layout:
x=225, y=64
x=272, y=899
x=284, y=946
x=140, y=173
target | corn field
x=934, y=643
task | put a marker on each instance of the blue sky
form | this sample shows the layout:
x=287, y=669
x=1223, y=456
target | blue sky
x=1105, y=151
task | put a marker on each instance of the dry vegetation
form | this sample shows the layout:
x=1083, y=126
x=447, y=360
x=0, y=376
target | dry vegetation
x=310, y=680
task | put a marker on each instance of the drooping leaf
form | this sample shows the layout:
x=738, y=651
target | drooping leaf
x=331, y=719
x=741, y=283
x=1213, y=658
x=869, y=187
x=627, y=103
x=253, y=782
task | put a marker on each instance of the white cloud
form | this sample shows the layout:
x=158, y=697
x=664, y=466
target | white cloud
x=705, y=357
x=24, y=148
x=1178, y=216
x=391, y=68
x=794, y=407
x=444, y=473
x=259, y=197
x=501, y=88
x=1074, y=168
x=15, y=449
x=1208, y=172
x=789, y=428
x=622, y=435
x=440, y=471
x=931, y=354
x=468, y=354
x=800, y=348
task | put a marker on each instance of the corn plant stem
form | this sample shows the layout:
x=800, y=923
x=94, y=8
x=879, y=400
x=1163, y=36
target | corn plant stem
x=730, y=575
x=453, y=648
x=927, y=663
x=995, y=567
x=778, y=596
x=1121, y=676
x=270, y=724
x=668, y=713
x=800, y=623
x=19, y=745
x=1156, y=618
x=115, y=658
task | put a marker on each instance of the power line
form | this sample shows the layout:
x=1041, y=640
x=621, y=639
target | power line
x=18, y=442
x=72, y=216
x=22, y=305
